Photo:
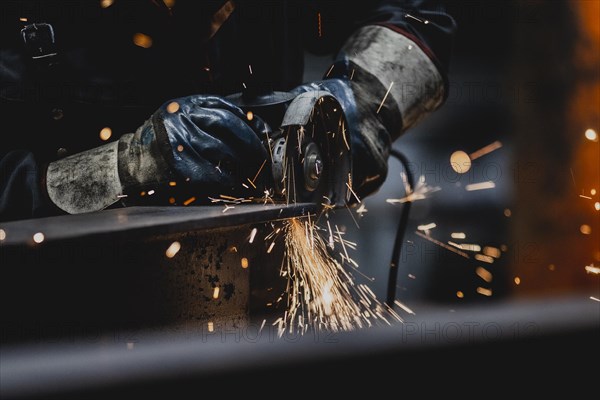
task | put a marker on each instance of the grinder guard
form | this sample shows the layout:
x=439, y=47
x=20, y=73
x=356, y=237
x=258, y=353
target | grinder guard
x=316, y=164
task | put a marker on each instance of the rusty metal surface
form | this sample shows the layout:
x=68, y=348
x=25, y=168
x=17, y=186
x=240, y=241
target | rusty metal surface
x=119, y=278
x=146, y=221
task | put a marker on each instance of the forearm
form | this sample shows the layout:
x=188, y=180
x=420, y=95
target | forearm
x=396, y=63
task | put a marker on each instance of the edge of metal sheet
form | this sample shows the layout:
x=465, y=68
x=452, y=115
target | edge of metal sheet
x=151, y=220
x=544, y=326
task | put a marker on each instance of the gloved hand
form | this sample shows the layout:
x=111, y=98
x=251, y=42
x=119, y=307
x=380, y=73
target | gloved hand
x=386, y=83
x=196, y=146
x=368, y=131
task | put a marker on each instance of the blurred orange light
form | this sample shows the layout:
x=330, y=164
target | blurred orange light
x=105, y=133
x=142, y=40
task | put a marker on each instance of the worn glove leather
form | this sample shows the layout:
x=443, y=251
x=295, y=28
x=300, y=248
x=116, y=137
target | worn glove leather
x=196, y=146
x=210, y=145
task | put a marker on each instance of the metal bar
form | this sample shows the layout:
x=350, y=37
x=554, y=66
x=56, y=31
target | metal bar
x=146, y=220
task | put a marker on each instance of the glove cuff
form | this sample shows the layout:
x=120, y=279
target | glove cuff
x=86, y=181
x=410, y=77
x=141, y=161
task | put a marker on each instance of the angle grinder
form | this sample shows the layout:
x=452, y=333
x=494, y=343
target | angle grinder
x=308, y=142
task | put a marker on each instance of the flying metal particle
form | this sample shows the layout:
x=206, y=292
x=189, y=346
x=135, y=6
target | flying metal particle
x=480, y=186
x=38, y=237
x=252, y=235
x=173, y=249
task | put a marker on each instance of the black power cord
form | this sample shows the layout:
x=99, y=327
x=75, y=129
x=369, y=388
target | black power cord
x=395, y=261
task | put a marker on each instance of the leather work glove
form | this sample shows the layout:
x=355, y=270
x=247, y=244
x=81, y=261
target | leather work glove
x=196, y=146
x=385, y=84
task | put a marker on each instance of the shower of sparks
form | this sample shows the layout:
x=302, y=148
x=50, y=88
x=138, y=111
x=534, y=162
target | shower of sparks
x=416, y=19
x=321, y=294
x=330, y=241
x=460, y=294
x=329, y=71
x=593, y=192
x=227, y=207
x=211, y=326
x=151, y=192
x=319, y=25
x=466, y=246
x=591, y=134
x=353, y=193
x=597, y=206
x=590, y=269
x=258, y=173
x=484, y=274
x=444, y=245
x=421, y=191
x=404, y=307
x=484, y=258
x=585, y=229
x=460, y=162
x=458, y=235
x=385, y=97
x=361, y=210
x=485, y=150
x=173, y=107
x=189, y=201
x=225, y=199
x=480, y=186
x=142, y=40
x=38, y=237
x=244, y=262
x=484, y=291
x=216, y=291
x=173, y=249
x=252, y=235
x=344, y=136
x=2, y=234
x=491, y=251
x=594, y=298
x=585, y=197
x=517, y=280
x=105, y=133
x=426, y=227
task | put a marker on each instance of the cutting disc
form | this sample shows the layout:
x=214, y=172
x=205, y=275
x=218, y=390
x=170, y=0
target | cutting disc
x=311, y=162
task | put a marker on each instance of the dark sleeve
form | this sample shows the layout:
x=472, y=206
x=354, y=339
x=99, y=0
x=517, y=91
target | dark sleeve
x=21, y=194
